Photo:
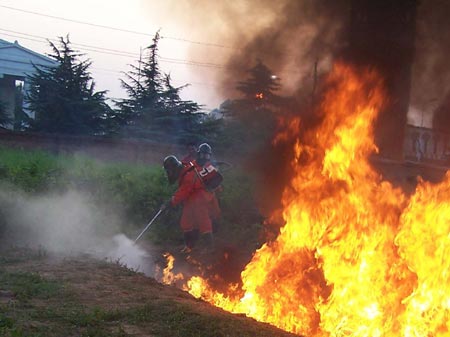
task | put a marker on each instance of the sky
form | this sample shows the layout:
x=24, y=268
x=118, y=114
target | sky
x=209, y=44
x=188, y=53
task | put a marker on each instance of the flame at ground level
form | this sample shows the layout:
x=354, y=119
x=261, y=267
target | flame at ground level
x=355, y=257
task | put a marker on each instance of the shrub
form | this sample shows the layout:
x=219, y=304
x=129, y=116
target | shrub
x=136, y=190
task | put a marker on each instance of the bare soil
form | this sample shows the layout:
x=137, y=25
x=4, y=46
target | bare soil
x=47, y=295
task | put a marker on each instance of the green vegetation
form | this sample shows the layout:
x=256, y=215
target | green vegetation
x=87, y=297
x=31, y=171
x=28, y=285
x=64, y=101
x=136, y=190
x=63, y=97
x=41, y=295
x=154, y=108
x=5, y=119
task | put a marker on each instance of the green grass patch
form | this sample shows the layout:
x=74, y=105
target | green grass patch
x=31, y=171
x=26, y=285
x=6, y=322
x=134, y=191
x=60, y=315
x=180, y=320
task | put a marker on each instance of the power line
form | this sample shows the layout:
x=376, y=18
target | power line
x=110, y=71
x=114, y=51
x=114, y=28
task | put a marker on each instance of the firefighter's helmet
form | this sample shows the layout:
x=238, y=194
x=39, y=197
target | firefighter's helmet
x=204, y=154
x=204, y=148
x=173, y=168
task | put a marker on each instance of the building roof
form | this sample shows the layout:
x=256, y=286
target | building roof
x=18, y=61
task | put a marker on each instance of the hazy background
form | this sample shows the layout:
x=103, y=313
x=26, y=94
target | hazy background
x=70, y=223
x=210, y=44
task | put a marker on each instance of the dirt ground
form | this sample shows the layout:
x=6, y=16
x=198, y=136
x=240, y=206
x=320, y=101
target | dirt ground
x=47, y=295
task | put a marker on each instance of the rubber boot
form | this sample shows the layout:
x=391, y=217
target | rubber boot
x=188, y=242
x=195, y=235
x=208, y=242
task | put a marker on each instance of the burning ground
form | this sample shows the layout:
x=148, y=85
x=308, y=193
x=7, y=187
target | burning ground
x=356, y=256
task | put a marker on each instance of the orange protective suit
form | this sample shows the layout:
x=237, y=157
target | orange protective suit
x=213, y=203
x=194, y=198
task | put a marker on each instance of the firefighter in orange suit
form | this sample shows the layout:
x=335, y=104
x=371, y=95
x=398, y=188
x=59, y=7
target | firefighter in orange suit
x=194, y=198
x=191, y=153
x=203, y=159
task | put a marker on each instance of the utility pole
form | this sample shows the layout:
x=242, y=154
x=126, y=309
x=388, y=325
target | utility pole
x=140, y=61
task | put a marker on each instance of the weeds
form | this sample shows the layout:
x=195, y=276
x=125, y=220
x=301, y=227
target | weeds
x=137, y=191
x=28, y=285
x=16, y=255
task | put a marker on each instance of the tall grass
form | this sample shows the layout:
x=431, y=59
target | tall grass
x=136, y=189
x=31, y=171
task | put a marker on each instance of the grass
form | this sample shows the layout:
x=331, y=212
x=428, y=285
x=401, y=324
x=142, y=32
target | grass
x=28, y=285
x=161, y=318
x=134, y=191
x=42, y=307
x=22, y=255
x=51, y=307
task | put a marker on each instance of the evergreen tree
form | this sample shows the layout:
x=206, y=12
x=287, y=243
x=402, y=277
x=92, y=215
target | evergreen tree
x=21, y=119
x=186, y=117
x=258, y=96
x=63, y=96
x=154, y=108
x=252, y=118
x=5, y=119
x=261, y=84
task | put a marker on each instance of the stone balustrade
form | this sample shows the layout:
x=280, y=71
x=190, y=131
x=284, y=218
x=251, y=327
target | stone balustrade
x=424, y=145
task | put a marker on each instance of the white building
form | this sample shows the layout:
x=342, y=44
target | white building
x=16, y=62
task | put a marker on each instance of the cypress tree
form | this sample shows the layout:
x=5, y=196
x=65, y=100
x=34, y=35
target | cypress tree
x=63, y=96
x=5, y=119
x=154, y=109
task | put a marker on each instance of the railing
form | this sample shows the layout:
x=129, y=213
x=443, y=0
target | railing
x=423, y=145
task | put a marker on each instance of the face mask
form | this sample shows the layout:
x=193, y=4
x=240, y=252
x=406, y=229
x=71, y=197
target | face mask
x=203, y=158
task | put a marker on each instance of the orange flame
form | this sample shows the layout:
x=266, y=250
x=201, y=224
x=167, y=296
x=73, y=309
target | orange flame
x=168, y=276
x=355, y=257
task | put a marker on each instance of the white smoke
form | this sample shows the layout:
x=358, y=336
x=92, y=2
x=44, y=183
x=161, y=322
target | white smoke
x=126, y=252
x=68, y=224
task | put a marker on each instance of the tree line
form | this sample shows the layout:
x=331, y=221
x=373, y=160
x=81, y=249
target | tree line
x=63, y=100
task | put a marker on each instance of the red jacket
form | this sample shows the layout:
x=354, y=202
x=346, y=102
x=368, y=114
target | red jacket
x=188, y=158
x=213, y=203
x=194, y=198
x=188, y=184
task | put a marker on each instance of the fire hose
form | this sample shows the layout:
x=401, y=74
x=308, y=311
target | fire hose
x=148, y=225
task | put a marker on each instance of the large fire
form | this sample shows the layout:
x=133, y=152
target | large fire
x=356, y=257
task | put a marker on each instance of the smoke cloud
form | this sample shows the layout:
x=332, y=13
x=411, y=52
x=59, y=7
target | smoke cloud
x=300, y=33
x=431, y=71
x=289, y=36
x=68, y=224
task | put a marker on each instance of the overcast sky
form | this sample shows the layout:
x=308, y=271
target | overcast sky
x=200, y=36
x=191, y=55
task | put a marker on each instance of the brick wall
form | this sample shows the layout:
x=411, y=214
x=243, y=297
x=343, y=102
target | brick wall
x=105, y=149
